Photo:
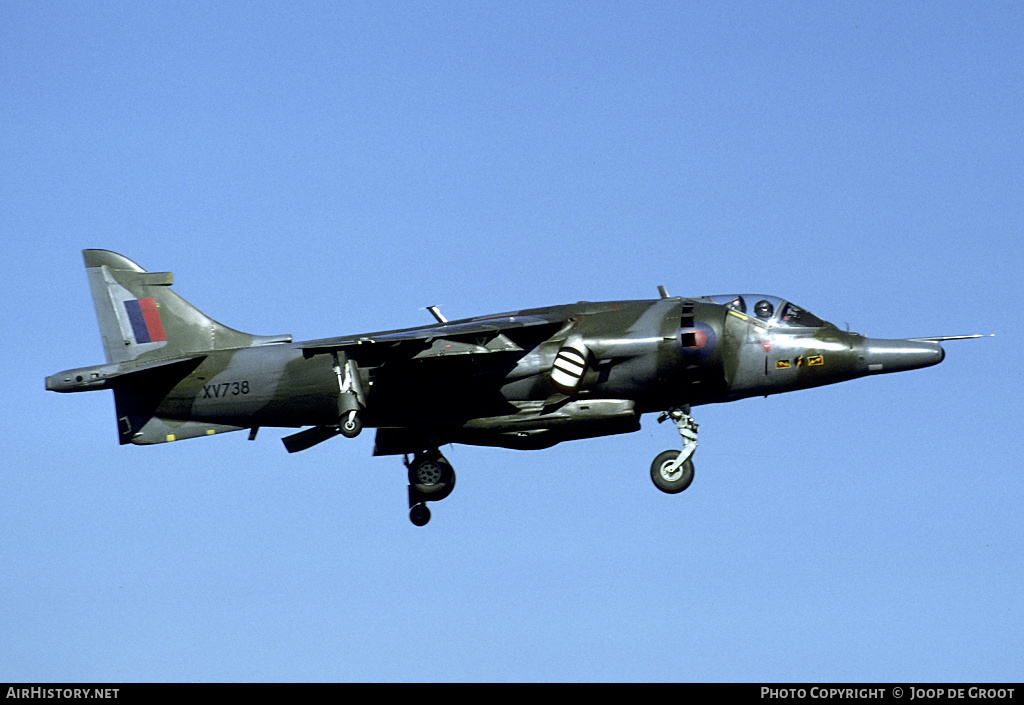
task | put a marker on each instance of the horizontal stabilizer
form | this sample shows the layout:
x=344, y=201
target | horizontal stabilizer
x=158, y=430
x=84, y=379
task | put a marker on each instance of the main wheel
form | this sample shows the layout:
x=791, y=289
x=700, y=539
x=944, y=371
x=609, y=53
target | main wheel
x=668, y=480
x=432, y=476
x=419, y=515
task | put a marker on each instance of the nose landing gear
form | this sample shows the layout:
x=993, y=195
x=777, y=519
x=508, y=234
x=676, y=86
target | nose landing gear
x=669, y=475
x=672, y=470
x=431, y=479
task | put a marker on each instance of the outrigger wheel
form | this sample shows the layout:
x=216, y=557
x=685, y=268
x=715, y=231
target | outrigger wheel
x=351, y=424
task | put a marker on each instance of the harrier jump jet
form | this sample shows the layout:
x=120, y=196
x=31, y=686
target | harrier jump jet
x=525, y=380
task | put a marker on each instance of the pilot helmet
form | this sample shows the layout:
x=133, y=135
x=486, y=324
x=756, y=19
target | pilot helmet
x=763, y=309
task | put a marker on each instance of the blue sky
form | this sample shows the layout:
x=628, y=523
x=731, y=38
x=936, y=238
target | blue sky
x=329, y=168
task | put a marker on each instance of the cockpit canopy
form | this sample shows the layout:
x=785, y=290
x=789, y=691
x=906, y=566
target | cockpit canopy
x=769, y=309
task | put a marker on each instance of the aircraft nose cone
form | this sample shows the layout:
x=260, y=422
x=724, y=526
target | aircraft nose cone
x=898, y=355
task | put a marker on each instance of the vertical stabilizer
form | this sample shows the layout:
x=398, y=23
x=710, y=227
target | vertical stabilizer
x=141, y=317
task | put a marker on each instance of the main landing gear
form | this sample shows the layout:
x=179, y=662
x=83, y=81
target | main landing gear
x=431, y=479
x=672, y=470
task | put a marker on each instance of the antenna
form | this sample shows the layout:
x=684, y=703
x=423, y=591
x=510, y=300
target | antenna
x=437, y=314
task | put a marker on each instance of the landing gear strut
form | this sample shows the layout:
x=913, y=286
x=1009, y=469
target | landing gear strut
x=431, y=479
x=351, y=399
x=672, y=470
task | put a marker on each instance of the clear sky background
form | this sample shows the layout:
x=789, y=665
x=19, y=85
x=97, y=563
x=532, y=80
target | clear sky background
x=329, y=168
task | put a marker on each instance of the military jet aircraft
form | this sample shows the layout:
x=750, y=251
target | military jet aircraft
x=525, y=380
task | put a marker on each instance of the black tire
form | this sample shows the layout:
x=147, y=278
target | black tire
x=419, y=515
x=351, y=425
x=432, y=476
x=675, y=482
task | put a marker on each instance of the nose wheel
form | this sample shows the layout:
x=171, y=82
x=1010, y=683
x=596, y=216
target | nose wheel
x=669, y=475
x=672, y=470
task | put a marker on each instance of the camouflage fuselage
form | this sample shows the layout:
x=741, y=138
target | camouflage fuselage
x=527, y=379
x=641, y=356
x=523, y=380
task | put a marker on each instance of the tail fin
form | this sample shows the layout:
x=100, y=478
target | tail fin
x=141, y=317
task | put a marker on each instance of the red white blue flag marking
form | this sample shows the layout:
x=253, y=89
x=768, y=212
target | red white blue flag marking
x=145, y=321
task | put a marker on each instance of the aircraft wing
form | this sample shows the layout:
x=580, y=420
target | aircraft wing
x=468, y=337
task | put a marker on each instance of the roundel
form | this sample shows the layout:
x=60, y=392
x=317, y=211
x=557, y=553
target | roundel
x=698, y=340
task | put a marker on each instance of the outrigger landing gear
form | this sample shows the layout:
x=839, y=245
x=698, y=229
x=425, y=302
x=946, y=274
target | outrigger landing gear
x=431, y=479
x=672, y=470
x=351, y=399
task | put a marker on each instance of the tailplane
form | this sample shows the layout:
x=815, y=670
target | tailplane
x=141, y=317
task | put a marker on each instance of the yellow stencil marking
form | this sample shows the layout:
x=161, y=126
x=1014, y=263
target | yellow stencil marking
x=748, y=319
